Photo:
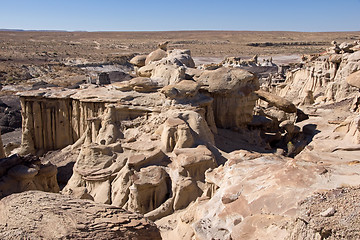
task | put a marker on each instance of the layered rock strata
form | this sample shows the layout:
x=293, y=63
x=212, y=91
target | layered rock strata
x=53, y=216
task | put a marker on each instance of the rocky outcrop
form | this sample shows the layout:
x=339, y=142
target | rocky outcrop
x=18, y=174
x=325, y=75
x=231, y=88
x=142, y=144
x=139, y=174
x=259, y=203
x=39, y=215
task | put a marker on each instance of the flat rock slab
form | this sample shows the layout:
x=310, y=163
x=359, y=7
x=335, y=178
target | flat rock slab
x=40, y=215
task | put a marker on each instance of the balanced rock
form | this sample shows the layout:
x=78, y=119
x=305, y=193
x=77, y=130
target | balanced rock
x=228, y=80
x=231, y=88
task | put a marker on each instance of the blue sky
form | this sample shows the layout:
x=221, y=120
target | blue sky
x=139, y=15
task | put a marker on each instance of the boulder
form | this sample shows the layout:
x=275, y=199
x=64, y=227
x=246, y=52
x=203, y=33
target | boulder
x=183, y=90
x=226, y=81
x=163, y=45
x=184, y=56
x=138, y=60
x=166, y=73
x=40, y=215
x=354, y=79
x=346, y=47
x=156, y=55
x=277, y=101
x=146, y=70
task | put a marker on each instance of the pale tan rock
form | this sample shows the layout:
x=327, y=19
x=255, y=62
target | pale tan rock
x=184, y=89
x=187, y=191
x=149, y=189
x=193, y=73
x=184, y=56
x=155, y=157
x=228, y=80
x=277, y=101
x=176, y=134
x=39, y=215
x=231, y=88
x=168, y=73
x=120, y=187
x=156, y=55
x=325, y=76
x=354, y=79
x=193, y=163
x=138, y=60
x=308, y=99
x=163, y=45
x=335, y=58
x=146, y=71
x=138, y=84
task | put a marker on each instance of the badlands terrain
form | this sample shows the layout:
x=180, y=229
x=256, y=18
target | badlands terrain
x=179, y=135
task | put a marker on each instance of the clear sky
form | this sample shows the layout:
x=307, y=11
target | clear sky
x=139, y=15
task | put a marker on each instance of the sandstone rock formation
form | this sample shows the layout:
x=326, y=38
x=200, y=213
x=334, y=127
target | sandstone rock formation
x=18, y=174
x=233, y=89
x=136, y=147
x=186, y=147
x=325, y=75
x=39, y=215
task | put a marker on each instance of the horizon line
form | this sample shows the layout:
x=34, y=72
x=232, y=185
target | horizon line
x=193, y=30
